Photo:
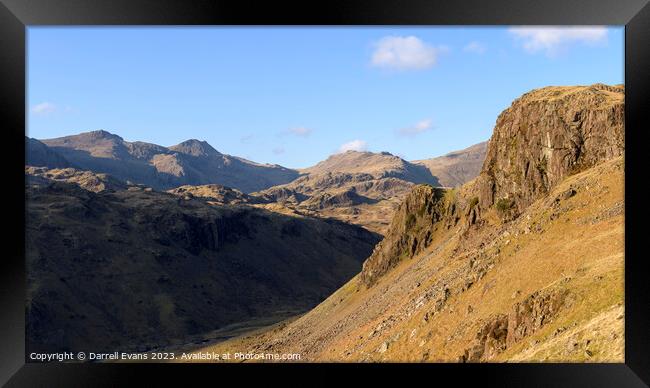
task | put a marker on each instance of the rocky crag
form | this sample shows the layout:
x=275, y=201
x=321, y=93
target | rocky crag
x=547, y=134
x=541, y=138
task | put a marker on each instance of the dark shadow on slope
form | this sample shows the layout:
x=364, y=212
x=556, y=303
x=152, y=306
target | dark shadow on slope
x=149, y=269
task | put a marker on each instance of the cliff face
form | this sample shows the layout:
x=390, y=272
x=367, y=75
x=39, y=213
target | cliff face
x=38, y=154
x=547, y=134
x=411, y=230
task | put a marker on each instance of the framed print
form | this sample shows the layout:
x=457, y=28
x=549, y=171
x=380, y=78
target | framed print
x=389, y=188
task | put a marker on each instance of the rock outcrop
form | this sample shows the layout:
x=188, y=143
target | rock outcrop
x=504, y=330
x=547, y=134
x=410, y=231
x=85, y=179
x=215, y=193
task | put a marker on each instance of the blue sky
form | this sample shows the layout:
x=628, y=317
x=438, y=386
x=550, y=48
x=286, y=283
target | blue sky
x=294, y=96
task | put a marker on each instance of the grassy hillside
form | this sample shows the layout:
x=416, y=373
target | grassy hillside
x=555, y=274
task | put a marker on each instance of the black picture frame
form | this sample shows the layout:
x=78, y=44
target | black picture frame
x=17, y=15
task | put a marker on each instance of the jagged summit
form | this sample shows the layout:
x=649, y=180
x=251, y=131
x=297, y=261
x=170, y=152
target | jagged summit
x=379, y=165
x=101, y=144
x=195, y=147
x=101, y=133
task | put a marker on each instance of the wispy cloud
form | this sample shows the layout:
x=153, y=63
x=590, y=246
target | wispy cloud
x=44, y=108
x=405, y=53
x=278, y=150
x=247, y=139
x=419, y=127
x=300, y=131
x=354, y=145
x=475, y=47
x=555, y=40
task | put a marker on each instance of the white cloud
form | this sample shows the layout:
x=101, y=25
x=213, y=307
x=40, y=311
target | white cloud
x=405, y=53
x=475, y=47
x=419, y=127
x=43, y=108
x=354, y=145
x=554, y=40
x=300, y=131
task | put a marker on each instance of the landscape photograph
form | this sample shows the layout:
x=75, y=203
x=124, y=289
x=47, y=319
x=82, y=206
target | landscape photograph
x=325, y=194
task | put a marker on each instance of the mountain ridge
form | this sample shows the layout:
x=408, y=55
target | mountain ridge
x=196, y=162
x=358, y=187
x=189, y=162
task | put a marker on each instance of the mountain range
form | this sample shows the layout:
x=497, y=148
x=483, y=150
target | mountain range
x=190, y=162
x=195, y=162
x=363, y=188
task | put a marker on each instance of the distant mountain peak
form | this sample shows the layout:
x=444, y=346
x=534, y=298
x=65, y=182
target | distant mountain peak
x=379, y=165
x=361, y=154
x=102, y=134
x=195, y=147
